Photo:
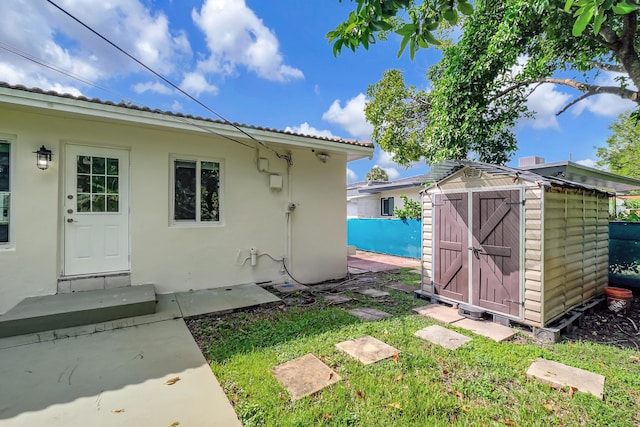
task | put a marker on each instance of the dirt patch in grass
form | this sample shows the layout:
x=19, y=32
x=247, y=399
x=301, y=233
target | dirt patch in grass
x=599, y=326
x=605, y=327
x=208, y=328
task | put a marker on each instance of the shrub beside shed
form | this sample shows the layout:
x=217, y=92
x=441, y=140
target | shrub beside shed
x=513, y=243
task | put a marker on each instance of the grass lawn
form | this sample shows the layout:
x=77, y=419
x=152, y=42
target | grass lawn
x=481, y=383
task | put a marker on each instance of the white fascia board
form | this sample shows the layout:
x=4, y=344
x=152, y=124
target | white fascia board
x=101, y=111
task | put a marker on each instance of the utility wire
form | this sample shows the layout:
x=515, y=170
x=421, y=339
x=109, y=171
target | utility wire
x=52, y=67
x=169, y=82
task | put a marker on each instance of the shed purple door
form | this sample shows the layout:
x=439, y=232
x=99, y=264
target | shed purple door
x=496, y=251
x=451, y=272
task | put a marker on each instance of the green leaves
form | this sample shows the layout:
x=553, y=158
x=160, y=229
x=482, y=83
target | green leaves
x=584, y=16
x=624, y=8
x=416, y=22
x=598, y=11
x=465, y=8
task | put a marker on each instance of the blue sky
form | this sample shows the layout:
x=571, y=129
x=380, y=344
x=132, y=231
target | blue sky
x=264, y=63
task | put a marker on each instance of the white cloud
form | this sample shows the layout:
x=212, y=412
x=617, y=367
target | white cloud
x=176, y=106
x=545, y=101
x=351, y=176
x=351, y=118
x=196, y=84
x=51, y=37
x=152, y=87
x=386, y=159
x=589, y=163
x=306, y=129
x=606, y=105
x=236, y=36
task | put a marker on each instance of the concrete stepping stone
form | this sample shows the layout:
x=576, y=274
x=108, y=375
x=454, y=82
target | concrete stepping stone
x=337, y=298
x=367, y=349
x=304, y=376
x=369, y=314
x=290, y=287
x=373, y=293
x=416, y=271
x=560, y=375
x=487, y=329
x=442, y=336
x=403, y=287
x=440, y=313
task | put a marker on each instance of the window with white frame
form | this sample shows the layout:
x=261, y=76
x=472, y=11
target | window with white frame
x=5, y=191
x=386, y=206
x=196, y=191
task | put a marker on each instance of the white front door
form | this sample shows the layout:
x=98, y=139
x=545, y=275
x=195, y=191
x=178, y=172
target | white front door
x=96, y=210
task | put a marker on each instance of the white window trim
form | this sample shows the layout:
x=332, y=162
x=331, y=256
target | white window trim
x=172, y=194
x=10, y=245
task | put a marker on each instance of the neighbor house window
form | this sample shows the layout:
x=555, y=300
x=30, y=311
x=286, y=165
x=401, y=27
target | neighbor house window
x=386, y=206
x=5, y=191
x=196, y=191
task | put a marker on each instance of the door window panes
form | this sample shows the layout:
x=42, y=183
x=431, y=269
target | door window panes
x=97, y=184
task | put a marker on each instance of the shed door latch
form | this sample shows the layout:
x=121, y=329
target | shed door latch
x=516, y=203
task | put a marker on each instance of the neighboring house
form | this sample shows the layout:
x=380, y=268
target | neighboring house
x=377, y=199
x=134, y=196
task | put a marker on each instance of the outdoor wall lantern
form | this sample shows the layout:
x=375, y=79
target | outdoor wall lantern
x=323, y=157
x=43, y=158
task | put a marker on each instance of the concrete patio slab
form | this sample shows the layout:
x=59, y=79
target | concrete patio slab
x=166, y=309
x=439, y=312
x=373, y=293
x=369, y=314
x=487, y=329
x=403, y=287
x=224, y=299
x=290, y=287
x=367, y=349
x=44, y=313
x=442, y=336
x=113, y=378
x=558, y=374
x=416, y=271
x=337, y=298
x=304, y=376
x=354, y=270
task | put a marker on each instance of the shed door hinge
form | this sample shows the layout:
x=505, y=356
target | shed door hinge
x=516, y=203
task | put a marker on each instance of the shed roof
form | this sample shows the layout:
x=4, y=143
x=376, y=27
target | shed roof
x=586, y=175
x=29, y=97
x=445, y=169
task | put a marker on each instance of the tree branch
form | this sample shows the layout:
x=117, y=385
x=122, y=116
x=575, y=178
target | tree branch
x=617, y=68
x=575, y=101
x=588, y=89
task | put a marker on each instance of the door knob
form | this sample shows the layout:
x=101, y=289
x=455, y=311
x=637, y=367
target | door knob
x=69, y=220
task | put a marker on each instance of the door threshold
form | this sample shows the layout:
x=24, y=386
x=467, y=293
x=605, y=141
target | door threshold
x=94, y=281
x=92, y=275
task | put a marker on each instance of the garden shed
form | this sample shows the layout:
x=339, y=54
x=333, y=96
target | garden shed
x=513, y=243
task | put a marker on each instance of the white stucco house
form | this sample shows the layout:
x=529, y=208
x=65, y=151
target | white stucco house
x=377, y=199
x=134, y=196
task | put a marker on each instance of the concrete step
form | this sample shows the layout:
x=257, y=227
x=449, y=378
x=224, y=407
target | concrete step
x=37, y=314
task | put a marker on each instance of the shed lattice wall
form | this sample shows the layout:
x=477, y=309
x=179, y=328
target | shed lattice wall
x=576, y=246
